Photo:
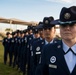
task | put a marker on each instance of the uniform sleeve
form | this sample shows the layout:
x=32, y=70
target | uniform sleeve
x=3, y=42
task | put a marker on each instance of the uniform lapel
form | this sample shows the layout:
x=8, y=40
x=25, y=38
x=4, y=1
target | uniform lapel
x=61, y=59
x=74, y=71
x=43, y=42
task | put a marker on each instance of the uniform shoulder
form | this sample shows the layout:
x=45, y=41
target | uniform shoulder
x=39, y=42
x=52, y=45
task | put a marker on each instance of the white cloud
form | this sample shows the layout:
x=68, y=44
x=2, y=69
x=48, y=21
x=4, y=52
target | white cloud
x=63, y=1
x=67, y=1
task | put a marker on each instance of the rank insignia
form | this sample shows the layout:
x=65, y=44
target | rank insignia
x=42, y=42
x=58, y=46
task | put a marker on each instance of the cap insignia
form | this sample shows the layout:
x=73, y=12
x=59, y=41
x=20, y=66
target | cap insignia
x=67, y=15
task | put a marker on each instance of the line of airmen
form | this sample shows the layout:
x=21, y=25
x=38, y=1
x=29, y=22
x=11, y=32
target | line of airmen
x=25, y=47
x=40, y=52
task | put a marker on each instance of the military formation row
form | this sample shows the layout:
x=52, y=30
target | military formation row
x=38, y=52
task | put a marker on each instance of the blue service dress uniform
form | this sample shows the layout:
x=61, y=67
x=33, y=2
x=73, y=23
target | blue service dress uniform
x=29, y=38
x=12, y=44
x=23, y=54
x=32, y=43
x=53, y=61
x=6, y=44
x=16, y=51
x=36, y=53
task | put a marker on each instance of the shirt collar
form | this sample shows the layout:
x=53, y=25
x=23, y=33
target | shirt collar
x=33, y=36
x=40, y=38
x=65, y=47
x=46, y=42
x=74, y=48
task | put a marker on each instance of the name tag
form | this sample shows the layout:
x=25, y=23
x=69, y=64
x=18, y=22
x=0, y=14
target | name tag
x=38, y=52
x=52, y=66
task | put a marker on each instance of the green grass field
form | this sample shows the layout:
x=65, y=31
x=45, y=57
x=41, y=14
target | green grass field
x=5, y=69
